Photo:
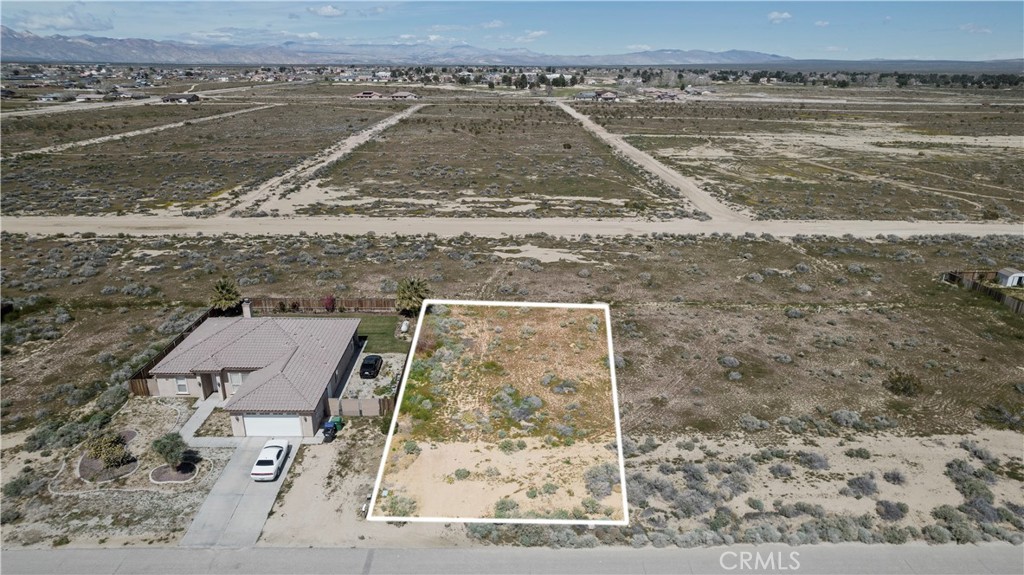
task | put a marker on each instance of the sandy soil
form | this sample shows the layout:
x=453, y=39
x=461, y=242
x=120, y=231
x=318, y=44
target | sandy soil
x=428, y=478
x=319, y=512
x=485, y=227
x=694, y=194
x=262, y=195
x=922, y=459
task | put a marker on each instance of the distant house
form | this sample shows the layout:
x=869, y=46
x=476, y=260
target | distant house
x=1010, y=277
x=180, y=98
x=585, y=96
x=404, y=96
x=367, y=95
x=276, y=373
x=608, y=96
x=5, y=93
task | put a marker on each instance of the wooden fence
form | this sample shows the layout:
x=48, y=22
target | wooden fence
x=138, y=384
x=272, y=305
x=978, y=280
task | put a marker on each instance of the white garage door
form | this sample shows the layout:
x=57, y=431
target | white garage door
x=272, y=425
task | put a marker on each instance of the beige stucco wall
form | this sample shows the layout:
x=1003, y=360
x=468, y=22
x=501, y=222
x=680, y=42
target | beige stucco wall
x=351, y=407
x=237, y=426
x=167, y=386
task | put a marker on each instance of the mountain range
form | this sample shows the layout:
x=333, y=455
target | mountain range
x=28, y=47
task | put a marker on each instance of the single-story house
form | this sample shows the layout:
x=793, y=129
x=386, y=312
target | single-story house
x=276, y=373
x=404, y=96
x=367, y=95
x=585, y=96
x=1010, y=277
x=181, y=98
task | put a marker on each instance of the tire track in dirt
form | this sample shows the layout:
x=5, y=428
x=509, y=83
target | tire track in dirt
x=305, y=169
x=133, y=133
x=699, y=198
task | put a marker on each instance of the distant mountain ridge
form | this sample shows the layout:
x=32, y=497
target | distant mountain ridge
x=28, y=47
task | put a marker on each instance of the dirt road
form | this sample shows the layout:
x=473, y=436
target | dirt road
x=304, y=170
x=699, y=198
x=485, y=227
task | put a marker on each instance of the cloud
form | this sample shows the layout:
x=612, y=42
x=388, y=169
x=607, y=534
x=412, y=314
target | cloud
x=971, y=28
x=407, y=37
x=327, y=11
x=293, y=16
x=447, y=27
x=530, y=36
x=493, y=24
x=836, y=49
x=639, y=47
x=62, y=20
x=435, y=37
x=779, y=17
x=821, y=23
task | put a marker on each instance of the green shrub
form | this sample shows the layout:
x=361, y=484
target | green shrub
x=531, y=493
x=411, y=447
x=109, y=448
x=171, y=448
x=903, y=384
x=400, y=506
x=549, y=488
x=505, y=508
x=461, y=473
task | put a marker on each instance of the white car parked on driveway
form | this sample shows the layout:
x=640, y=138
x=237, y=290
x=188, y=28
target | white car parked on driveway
x=271, y=460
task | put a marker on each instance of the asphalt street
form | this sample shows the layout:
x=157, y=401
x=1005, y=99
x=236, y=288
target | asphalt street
x=818, y=559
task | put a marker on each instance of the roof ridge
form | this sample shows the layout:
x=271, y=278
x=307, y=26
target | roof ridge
x=249, y=329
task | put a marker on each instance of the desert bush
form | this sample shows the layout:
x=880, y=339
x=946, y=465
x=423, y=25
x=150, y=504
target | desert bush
x=461, y=473
x=890, y=511
x=112, y=398
x=903, y=384
x=750, y=423
x=980, y=510
x=600, y=479
x=895, y=476
x=970, y=482
x=9, y=515
x=845, y=418
x=936, y=534
x=812, y=460
x=549, y=488
x=590, y=505
x=755, y=504
x=860, y=486
x=505, y=508
x=411, y=447
x=400, y=506
x=1001, y=417
x=728, y=361
x=859, y=453
x=894, y=535
x=781, y=470
x=733, y=485
x=980, y=453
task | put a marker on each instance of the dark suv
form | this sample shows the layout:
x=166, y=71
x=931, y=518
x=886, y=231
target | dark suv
x=371, y=366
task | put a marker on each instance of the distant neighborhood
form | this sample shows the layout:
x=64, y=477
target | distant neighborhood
x=95, y=83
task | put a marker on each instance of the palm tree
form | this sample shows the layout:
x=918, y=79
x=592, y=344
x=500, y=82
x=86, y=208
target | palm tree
x=410, y=295
x=225, y=294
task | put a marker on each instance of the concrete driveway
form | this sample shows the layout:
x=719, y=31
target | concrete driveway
x=236, y=508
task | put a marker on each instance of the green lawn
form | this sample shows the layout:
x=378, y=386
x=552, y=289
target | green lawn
x=379, y=332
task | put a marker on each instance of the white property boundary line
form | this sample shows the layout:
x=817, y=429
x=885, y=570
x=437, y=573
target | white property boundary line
x=398, y=404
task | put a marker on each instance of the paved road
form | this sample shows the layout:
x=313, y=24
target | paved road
x=236, y=508
x=484, y=227
x=824, y=559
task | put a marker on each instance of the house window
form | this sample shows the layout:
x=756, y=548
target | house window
x=236, y=379
x=182, y=384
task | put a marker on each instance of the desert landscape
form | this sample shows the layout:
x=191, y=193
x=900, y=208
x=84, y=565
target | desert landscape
x=790, y=366
x=519, y=399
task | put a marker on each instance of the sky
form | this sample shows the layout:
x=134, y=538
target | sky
x=965, y=30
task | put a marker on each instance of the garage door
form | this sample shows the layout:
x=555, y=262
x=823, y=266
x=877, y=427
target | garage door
x=272, y=425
